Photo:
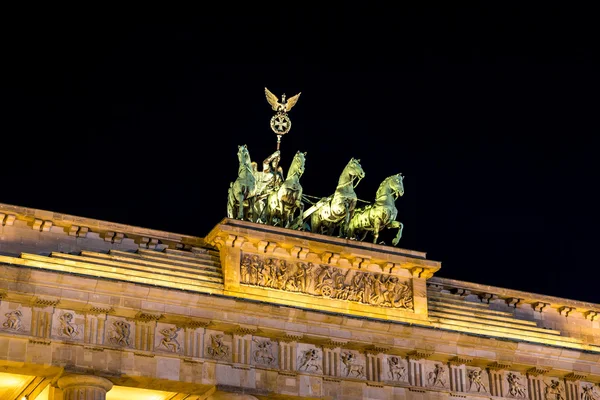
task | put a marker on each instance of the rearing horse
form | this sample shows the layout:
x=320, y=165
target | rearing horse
x=337, y=209
x=283, y=203
x=240, y=196
x=382, y=214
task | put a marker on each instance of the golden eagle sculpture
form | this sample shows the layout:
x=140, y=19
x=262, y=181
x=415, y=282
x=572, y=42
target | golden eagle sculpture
x=282, y=106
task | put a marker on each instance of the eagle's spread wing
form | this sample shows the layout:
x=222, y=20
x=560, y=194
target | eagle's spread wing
x=291, y=102
x=272, y=99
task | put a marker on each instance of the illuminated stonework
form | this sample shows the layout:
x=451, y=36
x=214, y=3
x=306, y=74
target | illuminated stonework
x=325, y=281
x=92, y=309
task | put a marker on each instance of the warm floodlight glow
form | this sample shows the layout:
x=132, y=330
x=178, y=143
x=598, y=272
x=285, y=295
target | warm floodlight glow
x=128, y=393
x=11, y=382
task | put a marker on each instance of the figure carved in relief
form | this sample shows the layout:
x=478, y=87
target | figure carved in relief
x=475, y=380
x=120, y=333
x=515, y=388
x=217, y=348
x=553, y=391
x=436, y=377
x=264, y=352
x=13, y=320
x=351, y=365
x=588, y=393
x=66, y=326
x=310, y=359
x=169, y=340
x=397, y=371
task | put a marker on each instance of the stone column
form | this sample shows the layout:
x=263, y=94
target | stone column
x=374, y=365
x=84, y=387
x=457, y=376
x=242, y=345
x=535, y=383
x=331, y=360
x=288, y=352
x=496, y=374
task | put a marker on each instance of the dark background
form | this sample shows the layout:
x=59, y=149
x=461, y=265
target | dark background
x=491, y=114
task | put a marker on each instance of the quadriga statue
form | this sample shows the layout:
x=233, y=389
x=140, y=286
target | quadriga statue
x=380, y=214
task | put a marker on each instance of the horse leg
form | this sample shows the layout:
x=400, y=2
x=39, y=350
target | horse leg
x=376, y=227
x=400, y=226
x=230, y=203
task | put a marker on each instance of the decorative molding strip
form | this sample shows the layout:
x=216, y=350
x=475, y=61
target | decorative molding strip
x=575, y=376
x=536, y=371
x=146, y=317
x=92, y=348
x=591, y=315
x=149, y=355
x=244, y=330
x=460, y=360
x=460, y=291
x=487, y=297
x=334, y=343
x=195, y=324
x=565, y=310
x=291, y=337
x=39, y=302
x=419, y=354
x=513, y=302
x=100, y=310
x=40, y=341
x=499, y=366
x=539, y=306
x=376, y=349
x=7, y=219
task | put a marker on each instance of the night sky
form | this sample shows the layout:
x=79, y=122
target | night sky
x=491, y=115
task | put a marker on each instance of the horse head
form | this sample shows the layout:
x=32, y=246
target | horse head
x=396, y=183
x=243, y=154
x=354, y=169
x=297, y=167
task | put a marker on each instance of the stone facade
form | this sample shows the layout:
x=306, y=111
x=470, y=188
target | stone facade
x=92, y=309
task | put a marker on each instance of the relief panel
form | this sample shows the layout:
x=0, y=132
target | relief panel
x=168, y=338
x=68, y=325
x=310, y=358
x=218, y=346
x=264, y=352
x=321, y=280
x=14, y=318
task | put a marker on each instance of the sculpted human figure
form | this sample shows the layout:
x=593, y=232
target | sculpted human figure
x=515, y=389
x=13, y=320
x=475, y=380
x=588, y=393
x=67, y=328
x=169, y=341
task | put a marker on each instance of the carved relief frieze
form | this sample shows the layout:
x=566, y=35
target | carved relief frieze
x=554, y=390
x=264, y=352
x=353, y=364
x=397, y=369
x=477, y=380
x=589, y=391
x=68, y=325
x=15, y=318
x=218, y=345
x=168, y=338
x=120, y=332
x=438, y=376
x=321, y=280
x=516, y=388
x=310, y=358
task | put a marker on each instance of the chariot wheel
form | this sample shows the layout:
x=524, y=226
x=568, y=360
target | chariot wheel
x=326, y=291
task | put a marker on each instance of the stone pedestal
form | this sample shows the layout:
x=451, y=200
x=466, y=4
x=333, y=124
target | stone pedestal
x=84, y=387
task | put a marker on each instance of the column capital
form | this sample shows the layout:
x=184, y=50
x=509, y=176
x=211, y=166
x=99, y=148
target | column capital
x=80, y=381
